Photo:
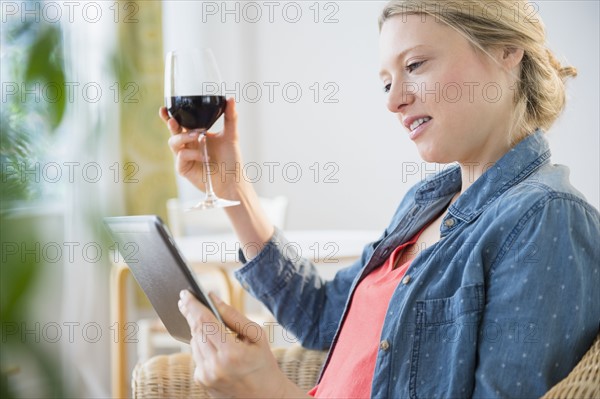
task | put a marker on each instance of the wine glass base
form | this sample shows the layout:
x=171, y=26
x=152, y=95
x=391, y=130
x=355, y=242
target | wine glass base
x=212, y=203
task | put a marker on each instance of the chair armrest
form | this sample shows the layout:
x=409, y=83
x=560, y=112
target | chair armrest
x=166, y=377
x=171, y=376
x=584, y=381
x=302, y=366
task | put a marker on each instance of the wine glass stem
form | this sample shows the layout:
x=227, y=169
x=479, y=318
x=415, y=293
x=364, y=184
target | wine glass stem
x=210, y=194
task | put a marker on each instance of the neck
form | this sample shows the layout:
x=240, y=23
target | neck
x=474, y=168
x=469, y=172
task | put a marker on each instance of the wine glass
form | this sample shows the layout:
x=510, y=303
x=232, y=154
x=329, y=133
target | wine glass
x=193, y=97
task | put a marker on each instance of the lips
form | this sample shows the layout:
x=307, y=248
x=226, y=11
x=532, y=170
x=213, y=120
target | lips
x=413, y=122
x=418, y=123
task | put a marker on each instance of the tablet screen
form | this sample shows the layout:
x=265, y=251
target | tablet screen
x=147, y=247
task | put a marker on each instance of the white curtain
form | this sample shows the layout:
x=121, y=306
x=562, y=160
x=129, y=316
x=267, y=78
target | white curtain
x=90, y=138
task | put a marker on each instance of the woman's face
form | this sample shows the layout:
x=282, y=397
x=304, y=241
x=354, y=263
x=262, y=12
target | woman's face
x=464, y=97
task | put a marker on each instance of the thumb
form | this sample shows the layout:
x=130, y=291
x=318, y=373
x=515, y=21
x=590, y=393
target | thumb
x=231, y=116
x=237, y=322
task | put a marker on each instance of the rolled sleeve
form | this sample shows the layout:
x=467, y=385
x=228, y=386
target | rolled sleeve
x=291, y=288
x=271, y=270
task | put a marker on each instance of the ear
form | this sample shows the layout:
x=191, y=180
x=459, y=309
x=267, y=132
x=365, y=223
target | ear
x=511, y=57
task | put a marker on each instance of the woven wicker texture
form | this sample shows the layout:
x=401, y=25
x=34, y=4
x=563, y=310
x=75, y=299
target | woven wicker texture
x=172, y=376
x=584, y=381
x=300, y=365
x=166, y=377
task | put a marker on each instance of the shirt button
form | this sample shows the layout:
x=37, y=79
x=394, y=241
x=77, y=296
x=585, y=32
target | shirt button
x=449, y=222
x=406, y=279
x=384, y=345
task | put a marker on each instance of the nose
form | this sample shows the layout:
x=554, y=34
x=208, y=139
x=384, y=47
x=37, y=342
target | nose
x=401, y=94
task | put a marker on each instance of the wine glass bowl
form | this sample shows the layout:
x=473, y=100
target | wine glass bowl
x=196, y=112
x=193, y=98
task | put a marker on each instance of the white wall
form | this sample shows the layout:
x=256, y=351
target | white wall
x=573, y=33
x=356, y=139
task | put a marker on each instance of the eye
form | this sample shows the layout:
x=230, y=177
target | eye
x=414, y=65
x=387, y=87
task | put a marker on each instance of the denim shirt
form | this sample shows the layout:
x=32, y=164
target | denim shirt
x=504, y=305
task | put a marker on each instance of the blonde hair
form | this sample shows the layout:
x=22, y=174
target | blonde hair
x=540, y=91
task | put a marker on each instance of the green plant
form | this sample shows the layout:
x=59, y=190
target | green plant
x=33, y=55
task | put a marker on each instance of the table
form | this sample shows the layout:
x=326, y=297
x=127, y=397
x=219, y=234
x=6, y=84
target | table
x=329, y=249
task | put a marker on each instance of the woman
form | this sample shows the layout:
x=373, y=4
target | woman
x=484, y=284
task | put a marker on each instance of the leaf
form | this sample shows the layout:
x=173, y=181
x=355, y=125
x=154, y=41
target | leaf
x=45, y=65
x=17, y=272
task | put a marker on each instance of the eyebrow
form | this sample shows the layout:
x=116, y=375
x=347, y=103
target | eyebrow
x=403, y=54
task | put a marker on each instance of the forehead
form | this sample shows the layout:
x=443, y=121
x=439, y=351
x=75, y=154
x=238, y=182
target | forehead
x=404, y=31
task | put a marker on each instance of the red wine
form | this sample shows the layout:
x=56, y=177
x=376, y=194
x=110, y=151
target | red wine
x=196, y=112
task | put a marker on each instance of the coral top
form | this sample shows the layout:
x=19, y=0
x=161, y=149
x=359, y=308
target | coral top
x=349, y=372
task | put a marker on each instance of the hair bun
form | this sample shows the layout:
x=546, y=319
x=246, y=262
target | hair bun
x=563, y=71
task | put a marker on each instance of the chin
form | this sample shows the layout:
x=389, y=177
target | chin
x=436, y=152
x=431, y=155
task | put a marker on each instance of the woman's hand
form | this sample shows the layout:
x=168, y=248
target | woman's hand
x=223, y=152
x=225, y=168
x=235, y=362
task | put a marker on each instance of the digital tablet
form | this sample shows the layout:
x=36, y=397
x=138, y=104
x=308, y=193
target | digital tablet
x=147, y=247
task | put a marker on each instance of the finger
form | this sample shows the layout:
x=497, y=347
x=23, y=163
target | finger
x=231, y=117
x=190, y=154
x=199, y=317
x=245, y=328
x=203, y=352
x=172, y=123
x=179, y=140
x=197, y=352
x=230, y=110
x=201, y=363
x=174, y=126
x=204, y=333
x=199, y=375
x=164, y=115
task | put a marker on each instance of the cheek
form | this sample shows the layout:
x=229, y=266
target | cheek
x=453, y=87
x=461, y=87
x=469, y=97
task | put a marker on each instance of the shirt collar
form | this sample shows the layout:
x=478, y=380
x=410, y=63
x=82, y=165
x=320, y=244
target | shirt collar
x=514, y=166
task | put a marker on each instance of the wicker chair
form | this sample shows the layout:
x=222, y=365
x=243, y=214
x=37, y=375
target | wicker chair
x=172, y=376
